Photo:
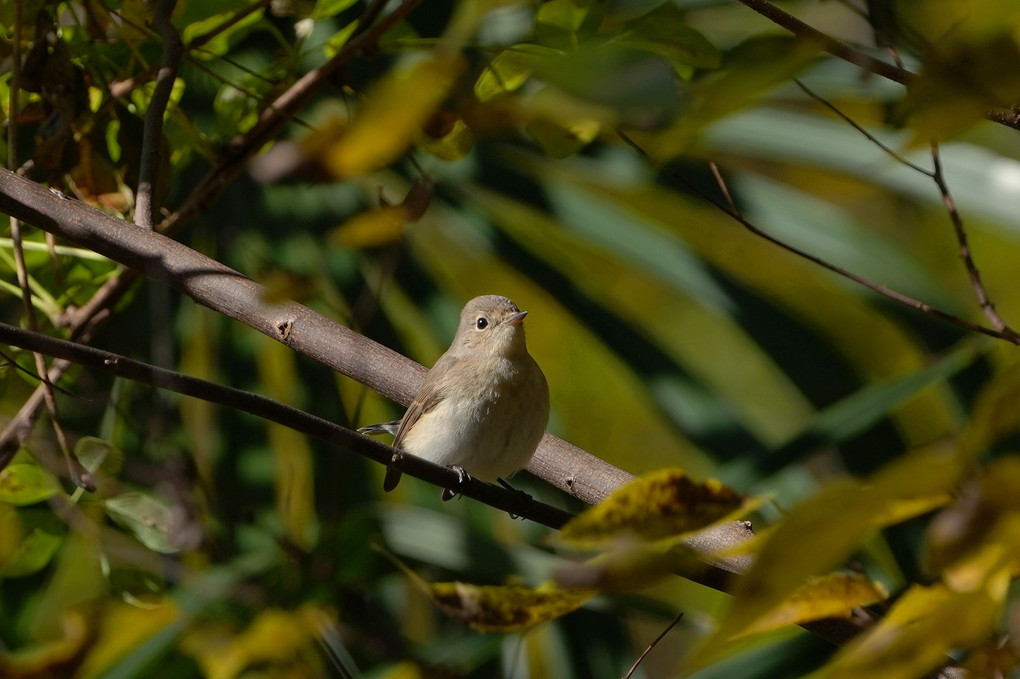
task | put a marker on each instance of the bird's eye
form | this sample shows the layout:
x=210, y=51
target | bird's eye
x=482, y=323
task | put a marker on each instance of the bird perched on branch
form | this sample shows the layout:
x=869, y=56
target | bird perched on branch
x=484, y=405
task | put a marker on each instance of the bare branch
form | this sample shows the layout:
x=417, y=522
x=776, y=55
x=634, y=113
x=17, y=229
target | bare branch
x=224, y=290
x=266, y=408
x=77, y=472
x=888, y=293
x=152, y=134
x=209, y=188
x=965, y=253
x=847, y=53
x=652, y=645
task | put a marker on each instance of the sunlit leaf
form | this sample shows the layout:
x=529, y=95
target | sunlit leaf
x=224, y=30
x=276, y=638
x=827, y=596
x=995, y=413
x=294, y=475
x=392, y=116
x=834, y=523
x=506, y=608
x=453, y=145
x=661, y=504
x=510, y=69
x=148, y=518
x=46, y=658
x=36, y=549
x=916, y=633
x=974, y=518
x=125, y=629
x=26, y=484
x=380, y=226
x=628, y=565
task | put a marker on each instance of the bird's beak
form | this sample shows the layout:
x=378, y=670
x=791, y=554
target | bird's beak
x=516, y=318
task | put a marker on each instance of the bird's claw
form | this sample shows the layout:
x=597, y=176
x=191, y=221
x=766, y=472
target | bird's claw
x=462, y=478
x=522, y=502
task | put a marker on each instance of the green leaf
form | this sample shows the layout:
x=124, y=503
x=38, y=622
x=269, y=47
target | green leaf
x=221, y=43
x=35, y=551
x=148, y=518
x=510, y=69
x=325, y=9
x=97, y=455
x=664, y=31
x=26, y=484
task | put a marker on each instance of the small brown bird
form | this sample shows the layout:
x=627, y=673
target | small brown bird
x=485, y=404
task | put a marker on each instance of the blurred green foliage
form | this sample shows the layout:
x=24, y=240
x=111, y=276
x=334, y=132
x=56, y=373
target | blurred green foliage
x=877, y=436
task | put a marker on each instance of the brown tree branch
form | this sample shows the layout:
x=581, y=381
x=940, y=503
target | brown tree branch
x=77, y=472
x=839, y=49
x=224, y=290
x=268, y=409
x=209, y=188
x=152, y=132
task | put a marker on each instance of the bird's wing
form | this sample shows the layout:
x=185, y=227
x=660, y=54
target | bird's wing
x=428, y=397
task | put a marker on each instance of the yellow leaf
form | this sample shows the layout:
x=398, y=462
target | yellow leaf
x=995, y=413
x=915, y=635
x=629, y=566
x=827, y=596
x=374, y=228
x=975, y=517
x=662, y=504
x=295, y=476
x=44, y=659
x=456, y=143
x=393, y=115
x=286, y=640
x=832, y=525
x=124, y=628
x=506, y=608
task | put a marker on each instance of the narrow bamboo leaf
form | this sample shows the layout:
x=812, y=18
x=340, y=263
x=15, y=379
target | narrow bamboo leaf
x=394, y=113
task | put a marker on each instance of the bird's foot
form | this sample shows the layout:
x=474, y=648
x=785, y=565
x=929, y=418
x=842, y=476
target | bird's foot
x=522, y=501
x=462, y=478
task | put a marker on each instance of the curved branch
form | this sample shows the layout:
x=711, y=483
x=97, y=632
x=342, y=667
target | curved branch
x=222, y=289
x=847, y=53
x=268, y=409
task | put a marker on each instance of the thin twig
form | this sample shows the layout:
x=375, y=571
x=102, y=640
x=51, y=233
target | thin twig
x=652, y=645
x=965, y=253
x=889, y=293
x=76, y=471
x=872, y=138
x=152, y=133
x=274, y=411
x=723, y=186
x=847, y=53
x=936, y=175
x=83, y=320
